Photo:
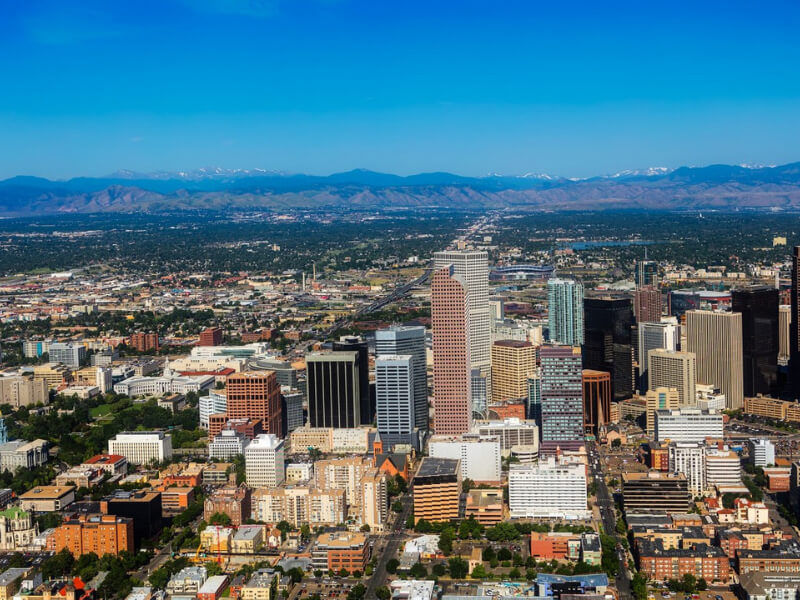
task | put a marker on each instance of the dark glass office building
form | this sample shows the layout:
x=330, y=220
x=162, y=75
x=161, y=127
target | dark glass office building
x=333, y=386
x=607, y=341
x=759, y=307
x=356, y=344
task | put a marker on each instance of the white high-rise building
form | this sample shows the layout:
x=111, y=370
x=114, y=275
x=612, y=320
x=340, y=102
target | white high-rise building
x=264, y=461
x=689, y=458
x=402, y=340
x=142, y=447
x=406, y=340
x=103, y=379
x=548, y=490
x=688, y=425
x=565, y=311
x=394, y=400
x=762, y=452
x=723, y=468
x=479, y=455
x=473, y=267
x=227, y=445
x=653, y=336
x=216, y=402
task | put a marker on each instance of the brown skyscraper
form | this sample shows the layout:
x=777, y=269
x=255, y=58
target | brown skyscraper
x=255, y=396
x=647, y=305
x=452, y=394
x=596, y=399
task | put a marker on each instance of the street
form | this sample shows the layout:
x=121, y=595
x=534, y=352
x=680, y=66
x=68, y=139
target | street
x=394, y=539
x=605, y=503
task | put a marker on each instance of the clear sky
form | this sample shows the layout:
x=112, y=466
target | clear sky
x=318, y=86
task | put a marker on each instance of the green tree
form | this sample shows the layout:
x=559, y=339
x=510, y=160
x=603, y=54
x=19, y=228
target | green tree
x=220, y=519
x=504, y=554
x=418, y=571
x=616, y=443
x=639, y=586
x=439, y=570
x=397, y=506
x=391, y=566
x=458, y=567
x=488, y=554
x=383, y=593
x=446, y=540
x=284, y=527
x=479, y=572
x=357, y=593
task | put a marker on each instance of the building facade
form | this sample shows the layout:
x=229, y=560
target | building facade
x=264, y=461
x=452, y=384
x=565, y=311
x=562, y=398
x=333, y=389
x=716, y=340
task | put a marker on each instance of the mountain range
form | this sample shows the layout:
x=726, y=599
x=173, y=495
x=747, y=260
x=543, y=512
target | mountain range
x=722, y=187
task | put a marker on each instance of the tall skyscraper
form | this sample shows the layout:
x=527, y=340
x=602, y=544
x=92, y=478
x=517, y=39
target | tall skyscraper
x=333, y=389
x=452, y=389
x=596, y=400
x=255, y=395
x=794, y=329
x=760, y=338
x=394, y=391
x=562, y=398
x=356, y=344
x=473, y=267
x=663, y=334
x=410, y=341
x=565, y=311
x=670, y=369
x=647, y=305
x=716, y=340
x=512, y=363
x=646, y=273
x=607, y=341
x=784, y=332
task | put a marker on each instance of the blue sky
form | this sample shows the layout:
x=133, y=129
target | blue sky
x=318, y=86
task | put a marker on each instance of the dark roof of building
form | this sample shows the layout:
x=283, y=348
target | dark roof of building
x=437, y=467
x=656, y=548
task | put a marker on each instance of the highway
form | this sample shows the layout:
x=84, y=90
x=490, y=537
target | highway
x=605, y=503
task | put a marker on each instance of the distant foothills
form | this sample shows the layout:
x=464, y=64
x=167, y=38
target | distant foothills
x=720, y=187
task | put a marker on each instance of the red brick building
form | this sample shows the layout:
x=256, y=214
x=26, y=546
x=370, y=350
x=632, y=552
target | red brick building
x=709, y=562
x=101, y=534
x=212, y=336
x=256, y=395
x=145, y=342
